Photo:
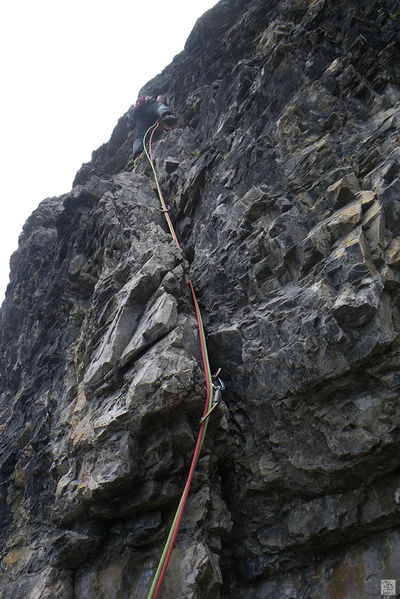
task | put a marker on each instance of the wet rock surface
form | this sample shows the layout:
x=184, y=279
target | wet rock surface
x=283, y=180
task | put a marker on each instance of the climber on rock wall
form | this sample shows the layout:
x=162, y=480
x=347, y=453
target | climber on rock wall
x=146, y=112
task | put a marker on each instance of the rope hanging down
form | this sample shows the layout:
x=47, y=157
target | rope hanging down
x=163, y=564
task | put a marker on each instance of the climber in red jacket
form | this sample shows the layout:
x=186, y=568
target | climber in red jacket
x=146, y=112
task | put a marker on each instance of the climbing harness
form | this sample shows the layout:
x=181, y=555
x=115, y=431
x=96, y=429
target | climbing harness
x=210, y=402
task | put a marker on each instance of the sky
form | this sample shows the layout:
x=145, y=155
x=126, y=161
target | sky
x=69, y=69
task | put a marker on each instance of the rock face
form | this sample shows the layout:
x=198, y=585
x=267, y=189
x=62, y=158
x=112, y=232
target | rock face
x=283, y=178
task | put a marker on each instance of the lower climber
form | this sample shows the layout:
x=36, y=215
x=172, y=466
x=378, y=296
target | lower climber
x=146, y=112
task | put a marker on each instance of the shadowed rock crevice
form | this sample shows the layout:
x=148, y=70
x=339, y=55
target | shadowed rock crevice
x=283, y=181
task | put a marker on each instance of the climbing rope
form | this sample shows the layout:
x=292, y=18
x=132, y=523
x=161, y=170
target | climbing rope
x=160, y=195
x=208, y=407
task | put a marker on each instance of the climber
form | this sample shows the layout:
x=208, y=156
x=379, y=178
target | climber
x=147, y=111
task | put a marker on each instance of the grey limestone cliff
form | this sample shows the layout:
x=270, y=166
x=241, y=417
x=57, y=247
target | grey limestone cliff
x=283, y=180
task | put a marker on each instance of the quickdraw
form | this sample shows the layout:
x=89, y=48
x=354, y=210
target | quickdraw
x=218, y=387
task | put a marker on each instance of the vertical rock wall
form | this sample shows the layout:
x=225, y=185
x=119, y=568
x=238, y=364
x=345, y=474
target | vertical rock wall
x=283, y=177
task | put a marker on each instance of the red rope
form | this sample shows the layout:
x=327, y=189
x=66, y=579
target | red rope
x=203, y=348
x=183, y=503
x=209, y=394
